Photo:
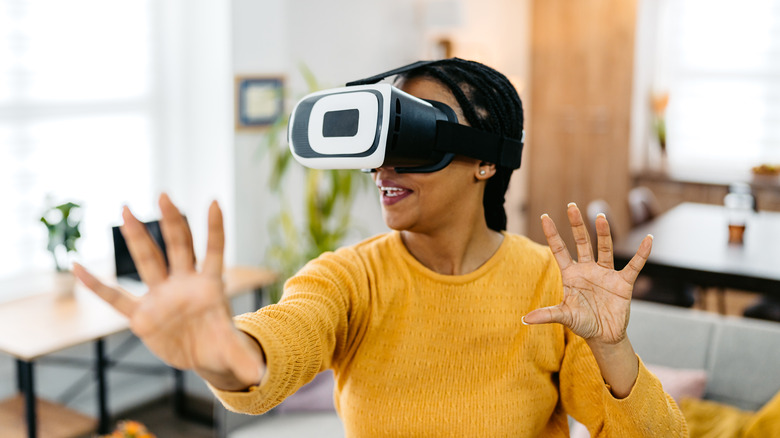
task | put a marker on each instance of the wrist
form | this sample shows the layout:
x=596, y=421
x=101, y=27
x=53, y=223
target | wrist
x=610, y=348
x=618, y=364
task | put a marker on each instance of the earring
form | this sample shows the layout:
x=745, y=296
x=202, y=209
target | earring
x=481, y=172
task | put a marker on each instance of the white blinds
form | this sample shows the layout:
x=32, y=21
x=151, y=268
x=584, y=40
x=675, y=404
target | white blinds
x=76, y=119
x=724, y=83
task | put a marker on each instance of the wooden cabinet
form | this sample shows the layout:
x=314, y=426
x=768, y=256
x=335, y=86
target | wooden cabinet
x=673, y=189
x=579, y=112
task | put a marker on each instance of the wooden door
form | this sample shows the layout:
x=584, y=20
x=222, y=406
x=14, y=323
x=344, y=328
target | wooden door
x=578, y=135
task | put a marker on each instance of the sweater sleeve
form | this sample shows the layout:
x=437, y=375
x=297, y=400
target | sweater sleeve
x=647, y=411
x=303, y=332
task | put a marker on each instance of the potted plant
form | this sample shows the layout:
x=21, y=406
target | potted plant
x=328, y=196
x=62, y=223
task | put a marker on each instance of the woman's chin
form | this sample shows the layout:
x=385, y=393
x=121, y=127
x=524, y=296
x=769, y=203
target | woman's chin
x=396, y=222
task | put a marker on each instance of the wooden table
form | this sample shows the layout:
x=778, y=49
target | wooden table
x=691, y=244
x=48, y=322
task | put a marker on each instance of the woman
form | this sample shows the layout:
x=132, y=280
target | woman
x=446, y=326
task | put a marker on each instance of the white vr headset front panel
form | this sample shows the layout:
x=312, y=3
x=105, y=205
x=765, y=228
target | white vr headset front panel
x=367, y=108
x=347, y=152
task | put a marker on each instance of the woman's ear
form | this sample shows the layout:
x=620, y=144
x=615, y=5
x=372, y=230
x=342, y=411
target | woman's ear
x=485, y=171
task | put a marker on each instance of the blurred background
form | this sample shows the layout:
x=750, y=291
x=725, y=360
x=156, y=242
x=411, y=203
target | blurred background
x=110, y=104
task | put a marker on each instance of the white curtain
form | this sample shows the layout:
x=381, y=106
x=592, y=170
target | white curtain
x=78, y=98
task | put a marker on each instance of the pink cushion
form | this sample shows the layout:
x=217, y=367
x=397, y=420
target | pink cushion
x=681, y=383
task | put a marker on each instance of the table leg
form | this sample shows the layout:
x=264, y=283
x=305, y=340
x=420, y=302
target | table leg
x=101, y=363
x=180, y=402
x=178, y=393
x=25, y=376
x=19, y=373
x=258, y=298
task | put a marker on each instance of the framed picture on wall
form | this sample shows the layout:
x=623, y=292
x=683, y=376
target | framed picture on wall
x=259, y=101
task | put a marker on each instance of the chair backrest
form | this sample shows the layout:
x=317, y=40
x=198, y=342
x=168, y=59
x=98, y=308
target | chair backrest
x=642, y=205
x=595, y=207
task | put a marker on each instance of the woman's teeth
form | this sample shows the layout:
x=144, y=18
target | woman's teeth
x=391, y=191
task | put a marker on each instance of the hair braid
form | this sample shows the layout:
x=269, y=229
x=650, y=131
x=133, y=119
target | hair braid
x=489, y=102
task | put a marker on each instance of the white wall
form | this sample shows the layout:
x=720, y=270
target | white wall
x=196, y=81
x=349, y=39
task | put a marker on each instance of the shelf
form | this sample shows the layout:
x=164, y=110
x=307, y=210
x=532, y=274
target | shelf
x=54, y=420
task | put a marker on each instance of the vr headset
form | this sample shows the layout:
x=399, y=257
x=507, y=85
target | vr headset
x=366, y=125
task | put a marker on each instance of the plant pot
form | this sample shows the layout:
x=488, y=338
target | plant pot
x=64, y=283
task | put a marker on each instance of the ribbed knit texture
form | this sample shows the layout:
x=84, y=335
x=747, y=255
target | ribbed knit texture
x=420, y=354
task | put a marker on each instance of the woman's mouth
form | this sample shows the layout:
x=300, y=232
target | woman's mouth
x=391, y=194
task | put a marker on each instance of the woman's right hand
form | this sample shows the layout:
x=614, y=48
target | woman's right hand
x=185, y=317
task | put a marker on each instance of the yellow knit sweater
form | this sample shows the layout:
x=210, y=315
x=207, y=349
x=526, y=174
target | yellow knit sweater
x=420, y=354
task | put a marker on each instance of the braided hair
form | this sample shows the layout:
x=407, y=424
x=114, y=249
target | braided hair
x=490, y=103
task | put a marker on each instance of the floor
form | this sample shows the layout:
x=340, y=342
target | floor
x=159, y=418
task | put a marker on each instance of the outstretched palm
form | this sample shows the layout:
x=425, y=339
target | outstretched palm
x=185, y=318
x=596, y=297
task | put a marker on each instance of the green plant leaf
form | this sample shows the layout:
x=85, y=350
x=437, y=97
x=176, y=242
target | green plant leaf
x=327, y=200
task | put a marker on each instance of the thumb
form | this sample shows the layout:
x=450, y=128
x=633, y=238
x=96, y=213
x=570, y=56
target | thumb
x=546, y=315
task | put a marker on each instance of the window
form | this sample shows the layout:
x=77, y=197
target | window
x=723, y=69
x=77, y=107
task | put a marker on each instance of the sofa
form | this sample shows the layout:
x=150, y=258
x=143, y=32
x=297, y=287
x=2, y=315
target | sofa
x=741, y=356
x=730, y=360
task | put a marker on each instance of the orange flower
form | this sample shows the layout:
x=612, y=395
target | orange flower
x=660, y=102
x=132, y=427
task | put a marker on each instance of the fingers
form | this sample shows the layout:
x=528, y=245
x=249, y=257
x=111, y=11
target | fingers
x=631, y=271
x=178, y=239
x=556, y=243
x=546, y=315
x=215, y=249
x=146, y=254
x=117, y=298
x=580, y=231
x=604, y=242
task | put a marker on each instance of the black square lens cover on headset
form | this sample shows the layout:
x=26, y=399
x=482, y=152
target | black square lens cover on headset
x=367, y=125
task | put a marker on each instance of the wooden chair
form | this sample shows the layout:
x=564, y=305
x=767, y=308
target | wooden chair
x=642, y=205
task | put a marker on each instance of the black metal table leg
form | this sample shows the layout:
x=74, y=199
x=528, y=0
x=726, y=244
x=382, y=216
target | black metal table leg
x=19, y=373
x=178, y=393
x=101, y=363
x=259, y=298
x=180, y=402
x=26, y=386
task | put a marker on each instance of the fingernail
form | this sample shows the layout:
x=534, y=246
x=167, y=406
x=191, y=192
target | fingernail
x=651, y=236
x=523, y=321
x=571, y=204
x=601, y=215
x=544, y=215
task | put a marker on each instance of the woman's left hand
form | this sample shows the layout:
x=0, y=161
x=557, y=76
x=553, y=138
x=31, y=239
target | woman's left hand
x=596, y=297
